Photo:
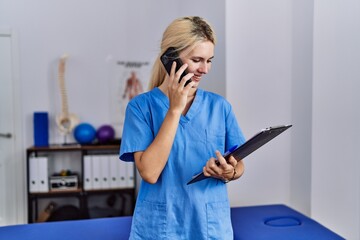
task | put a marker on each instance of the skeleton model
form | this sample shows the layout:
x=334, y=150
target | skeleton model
x=65, y=121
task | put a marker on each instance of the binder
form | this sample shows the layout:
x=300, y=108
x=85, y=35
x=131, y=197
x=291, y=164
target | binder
x=96, y=171
x=122, y=171
x=104, y=171
x=129, y=174
x=43, y=178
x=88, y=180
x=33, y=175
x=114, y=177
x=38, y=174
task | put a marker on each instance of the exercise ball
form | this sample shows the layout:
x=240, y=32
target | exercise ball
x=105, y=133
x=84, y=133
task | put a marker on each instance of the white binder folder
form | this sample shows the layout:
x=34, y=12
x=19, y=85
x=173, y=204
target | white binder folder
x=130, y=174
x=114, y=171
x=88, y=185
x=33, y=175
x=43, y=178
x=122, y=171
x=96, y=171
x=104, y=171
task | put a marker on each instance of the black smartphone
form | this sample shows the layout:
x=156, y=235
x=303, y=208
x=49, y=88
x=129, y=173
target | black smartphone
x=168, y=57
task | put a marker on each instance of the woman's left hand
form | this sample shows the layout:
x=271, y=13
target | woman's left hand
x=224, y=170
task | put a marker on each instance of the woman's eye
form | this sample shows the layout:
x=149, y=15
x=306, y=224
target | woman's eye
x=196, y=60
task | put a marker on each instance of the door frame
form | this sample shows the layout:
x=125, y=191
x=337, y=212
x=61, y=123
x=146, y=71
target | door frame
x=17, y=172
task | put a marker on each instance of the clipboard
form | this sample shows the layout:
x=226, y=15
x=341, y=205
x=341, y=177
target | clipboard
x=254, y=143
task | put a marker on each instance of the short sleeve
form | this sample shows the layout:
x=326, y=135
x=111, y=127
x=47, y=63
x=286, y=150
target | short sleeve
x=137, y=134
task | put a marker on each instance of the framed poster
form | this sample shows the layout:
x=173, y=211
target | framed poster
x=128, y=79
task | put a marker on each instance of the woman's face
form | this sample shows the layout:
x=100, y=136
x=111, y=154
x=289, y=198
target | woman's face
x=198, y=60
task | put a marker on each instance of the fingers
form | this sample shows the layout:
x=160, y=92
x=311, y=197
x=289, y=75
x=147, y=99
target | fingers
x=183, y=79
x=232, y=161
x=211, y=169
x=181, y=70
x=175, y=75
x=172, y=73
x=221, y=159
x=186, y=81
x=219, y=167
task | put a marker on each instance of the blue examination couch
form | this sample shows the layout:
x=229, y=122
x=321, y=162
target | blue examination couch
x=268, y=222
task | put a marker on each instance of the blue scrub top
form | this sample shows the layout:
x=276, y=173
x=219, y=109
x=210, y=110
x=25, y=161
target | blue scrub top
x=171, y=209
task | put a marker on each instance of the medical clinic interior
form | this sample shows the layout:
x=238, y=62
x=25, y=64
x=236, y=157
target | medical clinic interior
x=68, y=69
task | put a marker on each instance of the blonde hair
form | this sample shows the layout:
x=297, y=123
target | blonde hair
x=182, y=33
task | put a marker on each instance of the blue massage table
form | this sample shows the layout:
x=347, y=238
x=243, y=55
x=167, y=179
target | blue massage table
x=268, y=222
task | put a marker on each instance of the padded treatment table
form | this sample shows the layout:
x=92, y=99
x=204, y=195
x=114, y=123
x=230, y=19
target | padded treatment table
x=270, y=222
x=276, y=222
x=116, y=228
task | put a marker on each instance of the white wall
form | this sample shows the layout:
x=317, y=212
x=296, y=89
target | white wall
x=258, y=57
x=335, y=174
x=94, y=33
x=321, y=41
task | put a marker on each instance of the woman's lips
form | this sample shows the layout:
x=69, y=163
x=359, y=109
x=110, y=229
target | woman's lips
x=196, y=78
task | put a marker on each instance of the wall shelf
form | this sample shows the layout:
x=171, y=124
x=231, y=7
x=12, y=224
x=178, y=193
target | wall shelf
x=112, y=193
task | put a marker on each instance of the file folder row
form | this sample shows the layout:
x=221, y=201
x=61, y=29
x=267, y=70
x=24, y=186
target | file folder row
x=107, y=172
x=100, y=172
x=38, y=174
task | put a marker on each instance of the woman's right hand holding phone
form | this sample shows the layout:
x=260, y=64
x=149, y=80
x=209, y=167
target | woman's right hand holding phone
x=177, y=90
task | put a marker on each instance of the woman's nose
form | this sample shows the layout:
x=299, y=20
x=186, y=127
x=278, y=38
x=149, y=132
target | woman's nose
x=203, y=68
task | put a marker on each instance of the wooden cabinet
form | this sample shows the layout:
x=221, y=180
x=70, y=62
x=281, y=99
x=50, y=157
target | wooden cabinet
x=78, y=182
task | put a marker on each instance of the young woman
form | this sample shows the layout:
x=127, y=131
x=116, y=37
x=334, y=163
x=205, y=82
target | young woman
x=173, y=132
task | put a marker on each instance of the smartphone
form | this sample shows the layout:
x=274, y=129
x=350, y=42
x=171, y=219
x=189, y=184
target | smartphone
x=167, y=59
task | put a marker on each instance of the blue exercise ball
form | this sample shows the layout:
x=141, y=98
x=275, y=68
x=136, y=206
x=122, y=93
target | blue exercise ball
x=84, y=133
